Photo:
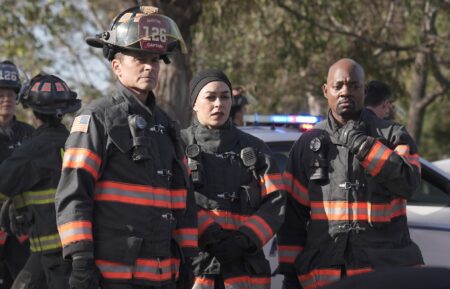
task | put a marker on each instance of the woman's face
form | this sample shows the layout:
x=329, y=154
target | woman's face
x=213, y=104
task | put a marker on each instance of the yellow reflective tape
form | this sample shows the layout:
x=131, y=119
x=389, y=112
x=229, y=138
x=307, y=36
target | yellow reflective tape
x=44, y=243
x=62, y=153
x=39, y=197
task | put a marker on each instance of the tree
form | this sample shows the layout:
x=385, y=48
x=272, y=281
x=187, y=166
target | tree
x=393, y=42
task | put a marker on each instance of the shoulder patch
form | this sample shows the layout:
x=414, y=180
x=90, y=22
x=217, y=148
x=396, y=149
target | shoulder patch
x=80, y=123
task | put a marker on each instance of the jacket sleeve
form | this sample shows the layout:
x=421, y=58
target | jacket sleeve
x=186, y=232
x=293, y=233
x=74, y=199
x=396, y=164
x=262, y=225
x=19, y=172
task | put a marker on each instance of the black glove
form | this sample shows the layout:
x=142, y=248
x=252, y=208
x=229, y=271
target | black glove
x=290, y=281
x=353, y=135
x=12, y=222
x=85, y=274
x=231, y=248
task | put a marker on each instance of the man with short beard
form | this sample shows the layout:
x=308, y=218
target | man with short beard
x=348, y=180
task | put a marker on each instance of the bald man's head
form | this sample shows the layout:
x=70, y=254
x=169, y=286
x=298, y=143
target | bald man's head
x=345, y=89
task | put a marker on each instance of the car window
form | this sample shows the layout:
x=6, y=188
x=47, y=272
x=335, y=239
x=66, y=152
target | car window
x=280, y=152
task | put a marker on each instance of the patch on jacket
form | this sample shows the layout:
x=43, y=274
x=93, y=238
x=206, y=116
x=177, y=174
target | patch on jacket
x=80, y=123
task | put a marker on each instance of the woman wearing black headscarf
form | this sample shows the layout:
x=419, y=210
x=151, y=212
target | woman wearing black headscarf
x=238, y=190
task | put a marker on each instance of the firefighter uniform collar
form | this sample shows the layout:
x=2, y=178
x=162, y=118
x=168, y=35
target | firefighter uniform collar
x=8, y=130
x=218, y=140
x=45, y=127
x=134, y=102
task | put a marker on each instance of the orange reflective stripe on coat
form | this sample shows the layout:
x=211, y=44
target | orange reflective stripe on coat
x=3, y=237
x=239, y=282
x=270, y=183
x=296, y=189
x=247, y=282
x=75, y=231
x=204, y=221
x=287, y=254
x=140, y=195
x=357, y=211
x=145, y=269
x=186, y=237
x=231, y=221
x=319, y=277
x=80, y=158
x=376, y=158
x=413, y=159
x=260, y=227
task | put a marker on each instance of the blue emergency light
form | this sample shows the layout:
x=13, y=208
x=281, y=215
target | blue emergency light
x=280, y=118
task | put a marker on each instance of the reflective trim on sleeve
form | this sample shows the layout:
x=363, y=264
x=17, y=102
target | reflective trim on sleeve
x=287, y=254
x=376, y=158
x=319, y=277
x=260, y=227
x=186, y=237
x=75, y=231
x=204, y=221
x=35, y=198
x=3, y=237
x=203, y=283
x=296, y=189
x=45, y=243
x=246, y=282
x=80, y=158
x=413, y=159
x=271, y=183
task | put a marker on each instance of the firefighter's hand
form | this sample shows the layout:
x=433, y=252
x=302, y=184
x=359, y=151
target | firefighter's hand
x=85, y=274
x=352, y=135
x=232, y=248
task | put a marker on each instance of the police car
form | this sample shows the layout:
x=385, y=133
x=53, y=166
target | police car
x=428, y=210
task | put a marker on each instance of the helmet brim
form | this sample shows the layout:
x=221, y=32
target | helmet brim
x=94, y=42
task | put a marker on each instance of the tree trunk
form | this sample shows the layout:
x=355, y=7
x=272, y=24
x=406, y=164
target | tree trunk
x=417, y=91
x=173, y=91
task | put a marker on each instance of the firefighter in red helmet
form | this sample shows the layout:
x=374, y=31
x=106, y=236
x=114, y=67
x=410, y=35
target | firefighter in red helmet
x=29, y=178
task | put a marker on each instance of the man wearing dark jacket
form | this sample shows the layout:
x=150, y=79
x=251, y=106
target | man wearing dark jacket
x=30, y=176
x=348, y=181
x=125, y=216
x=13, y=251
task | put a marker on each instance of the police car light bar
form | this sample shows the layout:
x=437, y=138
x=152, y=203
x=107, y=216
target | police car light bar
x=281, y=119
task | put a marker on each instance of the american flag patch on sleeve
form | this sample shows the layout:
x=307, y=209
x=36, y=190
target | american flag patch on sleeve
x=80, y=123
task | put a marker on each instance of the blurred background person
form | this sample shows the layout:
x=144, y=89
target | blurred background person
x=379, y=100
x=13, y=251
x=239, y=106
x=30, y=177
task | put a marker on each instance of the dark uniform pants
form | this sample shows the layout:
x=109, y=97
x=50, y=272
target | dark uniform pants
x=44, y=271
x=13, y=258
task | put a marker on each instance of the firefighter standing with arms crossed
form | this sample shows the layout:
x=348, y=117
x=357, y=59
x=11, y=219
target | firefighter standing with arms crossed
x=13, y=251
x=348, y=180
x=238, y=189
x=124, y=214
x=30, y=176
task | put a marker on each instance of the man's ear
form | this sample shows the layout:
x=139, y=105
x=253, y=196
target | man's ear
x=325, y=90
x=115, y=65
